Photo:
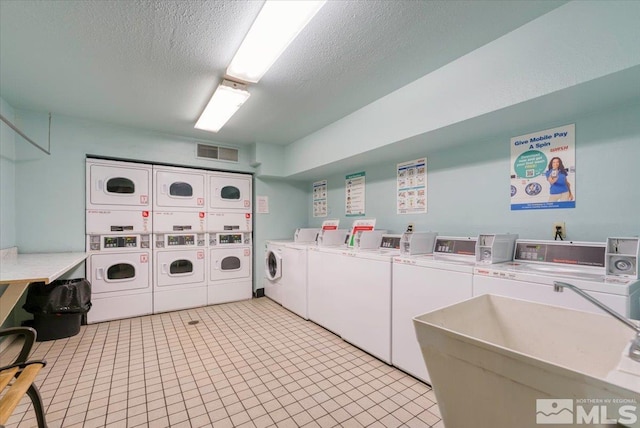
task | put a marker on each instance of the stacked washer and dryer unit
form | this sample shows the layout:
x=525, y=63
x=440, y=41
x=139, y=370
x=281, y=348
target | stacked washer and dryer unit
x=179, y=238
x=165, y=238
x=118, y=239
x=230, y=245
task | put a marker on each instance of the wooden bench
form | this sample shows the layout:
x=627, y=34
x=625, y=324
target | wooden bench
x=16, y=379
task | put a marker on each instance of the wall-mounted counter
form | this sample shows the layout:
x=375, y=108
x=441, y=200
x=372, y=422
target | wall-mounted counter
x=17, y=271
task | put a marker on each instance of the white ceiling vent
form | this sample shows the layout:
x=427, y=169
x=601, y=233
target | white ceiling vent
x=206, y=151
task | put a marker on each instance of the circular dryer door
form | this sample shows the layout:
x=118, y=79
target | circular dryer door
x=273, y=265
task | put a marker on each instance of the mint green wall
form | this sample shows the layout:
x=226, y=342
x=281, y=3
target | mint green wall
x=50, y=190
x=577, y=43
x=7, y=188
x=287, y=211
x=50, y=193
x=468, y=186
x=7, y=179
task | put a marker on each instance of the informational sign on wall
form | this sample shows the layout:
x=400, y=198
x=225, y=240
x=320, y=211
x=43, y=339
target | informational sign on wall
x=263, y=204
x=320, y=198
x=354, y=194
x=412, y=187
x=543, y=169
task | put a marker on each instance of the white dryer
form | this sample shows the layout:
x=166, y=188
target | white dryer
x=537, y=264
x=230, y=272
x=180, y=271
x=119, y=270
x=273, y=270
x=179, y=189
x=117, y=185
x=229, y=191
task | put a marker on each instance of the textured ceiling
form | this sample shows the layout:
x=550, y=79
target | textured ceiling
x=154, y=64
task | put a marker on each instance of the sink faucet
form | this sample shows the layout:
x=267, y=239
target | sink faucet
x=634, y=350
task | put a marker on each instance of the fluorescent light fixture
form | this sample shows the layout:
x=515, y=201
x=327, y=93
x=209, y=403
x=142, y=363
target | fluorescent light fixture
x=226, y=100
x=277, y=24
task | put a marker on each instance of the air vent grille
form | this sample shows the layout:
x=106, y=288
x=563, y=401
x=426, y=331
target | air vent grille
x=206, y=151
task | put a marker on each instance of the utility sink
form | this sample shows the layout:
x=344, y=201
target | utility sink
x=491, y=358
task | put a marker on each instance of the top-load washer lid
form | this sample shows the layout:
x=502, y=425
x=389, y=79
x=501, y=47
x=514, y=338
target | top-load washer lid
x=273, y=265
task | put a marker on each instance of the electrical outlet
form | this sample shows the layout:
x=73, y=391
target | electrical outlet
x=559, y=230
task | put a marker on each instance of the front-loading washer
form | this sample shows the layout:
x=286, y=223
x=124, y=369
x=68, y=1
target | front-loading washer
x=273, y=270
x=537, y=264
x=230, y=267
x=289, y=271
x=119, y=270
x=118, y=185
x=180, y=271
x=229, y=192
x=179, y=189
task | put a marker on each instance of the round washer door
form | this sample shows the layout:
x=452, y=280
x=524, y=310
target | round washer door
x=273, y=265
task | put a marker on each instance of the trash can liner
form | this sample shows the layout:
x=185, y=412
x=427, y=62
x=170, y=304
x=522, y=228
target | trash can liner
x=66, y=296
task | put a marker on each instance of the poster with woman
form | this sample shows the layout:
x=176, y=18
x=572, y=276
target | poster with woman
x=543, y=169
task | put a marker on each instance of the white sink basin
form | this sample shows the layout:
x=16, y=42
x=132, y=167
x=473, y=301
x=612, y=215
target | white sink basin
x=490, y=358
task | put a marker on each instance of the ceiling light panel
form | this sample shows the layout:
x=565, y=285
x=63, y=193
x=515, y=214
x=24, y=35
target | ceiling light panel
x=277, y=24
x=226, y=100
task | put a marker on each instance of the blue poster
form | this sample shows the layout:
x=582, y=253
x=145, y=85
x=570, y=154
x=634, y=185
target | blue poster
x=543, y=170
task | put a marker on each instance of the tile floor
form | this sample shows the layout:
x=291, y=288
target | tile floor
x=245, y=364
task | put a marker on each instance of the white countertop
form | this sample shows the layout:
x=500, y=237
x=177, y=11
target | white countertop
x=18, y=270
x=26, y=268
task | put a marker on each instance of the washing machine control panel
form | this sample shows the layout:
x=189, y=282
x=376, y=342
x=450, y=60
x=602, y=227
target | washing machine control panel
x=390, y=242
x=567, y=253
x=460, y=246
x=225, y=238
x=120, y=241
x=177, y=240
x=173, y=240
x=117, y=242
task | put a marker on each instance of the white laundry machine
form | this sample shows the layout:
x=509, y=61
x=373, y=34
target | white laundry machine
x=180, y=271
x=425, y=283
x=230, y=273
x=294, y=268
x=119, y=270
x=179, y=189
x=118, y=185
x=286, y=270
x=365, y=292
x=326, y=267
x=273, y=270
x=118, y=197
x=229, y=192
x=537, y=264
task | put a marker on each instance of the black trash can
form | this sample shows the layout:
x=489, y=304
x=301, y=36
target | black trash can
x=58, y=307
